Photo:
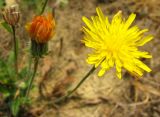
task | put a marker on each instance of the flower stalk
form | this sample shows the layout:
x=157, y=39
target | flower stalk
x=44, y=6
x=36, y=61
x=80, y=83
x=15, y=49
x=77, y=86
x=11, y=16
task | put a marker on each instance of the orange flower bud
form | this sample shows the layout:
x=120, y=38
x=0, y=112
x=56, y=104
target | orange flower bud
x=11, y=15
x=41, y=28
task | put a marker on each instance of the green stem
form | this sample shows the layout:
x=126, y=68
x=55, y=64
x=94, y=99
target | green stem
x=83, y=79
x=77, y=86
x=29, y=66
x=15, y=49
x=33, y=76
x=44, y=6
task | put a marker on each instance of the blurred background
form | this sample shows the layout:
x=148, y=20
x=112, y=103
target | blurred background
x=65, y=64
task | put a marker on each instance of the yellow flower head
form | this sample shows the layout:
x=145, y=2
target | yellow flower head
x=115, y=43
x=41, y=28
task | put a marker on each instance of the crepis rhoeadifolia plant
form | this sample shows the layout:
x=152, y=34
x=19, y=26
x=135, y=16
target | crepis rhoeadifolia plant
x=114, y=44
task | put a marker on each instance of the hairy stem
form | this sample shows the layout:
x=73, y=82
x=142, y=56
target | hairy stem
x=77, y=86
x=33, y=76
x=83, y=79
x=15, y=50
x=44, y=6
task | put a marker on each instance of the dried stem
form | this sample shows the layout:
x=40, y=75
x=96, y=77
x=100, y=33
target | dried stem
x=60, y=47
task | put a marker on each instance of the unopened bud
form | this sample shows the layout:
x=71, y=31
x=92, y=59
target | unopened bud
x=11, y=15
x=41, y=29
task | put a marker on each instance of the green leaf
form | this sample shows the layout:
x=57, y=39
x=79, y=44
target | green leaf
x=5, y=92
x=23, y=73
x=35, y=4
x=2, y=3
x=63, y=3
x=15, y=106
x=3, y=71
x=7, y=27
x=10, y=63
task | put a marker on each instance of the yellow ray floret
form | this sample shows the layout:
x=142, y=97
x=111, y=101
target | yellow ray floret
x=115, y=44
